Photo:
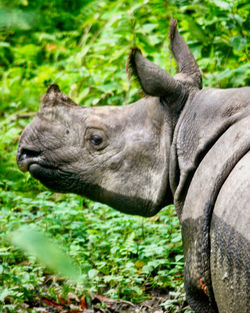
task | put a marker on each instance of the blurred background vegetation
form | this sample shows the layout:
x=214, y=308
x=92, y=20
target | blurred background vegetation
x=82, y=45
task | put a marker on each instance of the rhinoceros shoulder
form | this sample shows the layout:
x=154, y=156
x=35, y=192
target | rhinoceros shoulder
x=206, y=116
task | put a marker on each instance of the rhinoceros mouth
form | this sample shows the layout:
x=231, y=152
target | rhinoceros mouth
x=31, y=165
x=48, y=176
x=30, y=160
x=37, y=169
x=37, y=164
x=54, y=178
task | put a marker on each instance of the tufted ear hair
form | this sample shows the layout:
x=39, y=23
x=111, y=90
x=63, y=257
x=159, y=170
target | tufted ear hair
x=153, y=80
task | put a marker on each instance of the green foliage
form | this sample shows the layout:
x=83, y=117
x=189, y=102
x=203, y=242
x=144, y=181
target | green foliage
x=37, y=244
x=119, y=255
x=83, y=45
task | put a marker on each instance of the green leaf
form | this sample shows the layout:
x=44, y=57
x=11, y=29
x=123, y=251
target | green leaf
x=16, y=19
x=226, y=5
x=238, y=43
x=34, y=242
x=92, y=273
x=196, y=30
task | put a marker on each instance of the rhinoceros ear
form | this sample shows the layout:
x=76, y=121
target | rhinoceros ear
x=153, y=80
x=54, y=97
x=189, y=73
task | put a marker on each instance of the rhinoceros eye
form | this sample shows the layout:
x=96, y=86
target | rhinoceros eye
x=96, y=140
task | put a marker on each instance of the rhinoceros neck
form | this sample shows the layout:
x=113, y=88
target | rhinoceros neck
x=204, y=120
x=133, y=174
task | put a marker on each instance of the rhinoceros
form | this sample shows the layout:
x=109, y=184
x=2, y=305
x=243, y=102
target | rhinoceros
x=179, y=144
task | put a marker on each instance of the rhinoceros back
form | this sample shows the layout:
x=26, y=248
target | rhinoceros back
x=215, y=225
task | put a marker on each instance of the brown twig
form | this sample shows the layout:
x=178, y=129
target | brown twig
x=23, y=115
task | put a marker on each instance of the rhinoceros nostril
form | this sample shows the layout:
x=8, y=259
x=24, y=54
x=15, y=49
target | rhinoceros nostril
x=28, y=153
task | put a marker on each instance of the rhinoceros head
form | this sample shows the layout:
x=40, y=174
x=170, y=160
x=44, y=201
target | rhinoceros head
x=115, y=155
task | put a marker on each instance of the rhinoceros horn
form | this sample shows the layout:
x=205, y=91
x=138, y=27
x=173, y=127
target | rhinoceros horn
x=54, y=96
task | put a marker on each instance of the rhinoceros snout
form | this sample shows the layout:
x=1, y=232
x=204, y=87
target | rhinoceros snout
x=27, y=156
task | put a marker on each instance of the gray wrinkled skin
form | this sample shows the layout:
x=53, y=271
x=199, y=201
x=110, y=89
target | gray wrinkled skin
x=180, y=143
x=64, y=136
